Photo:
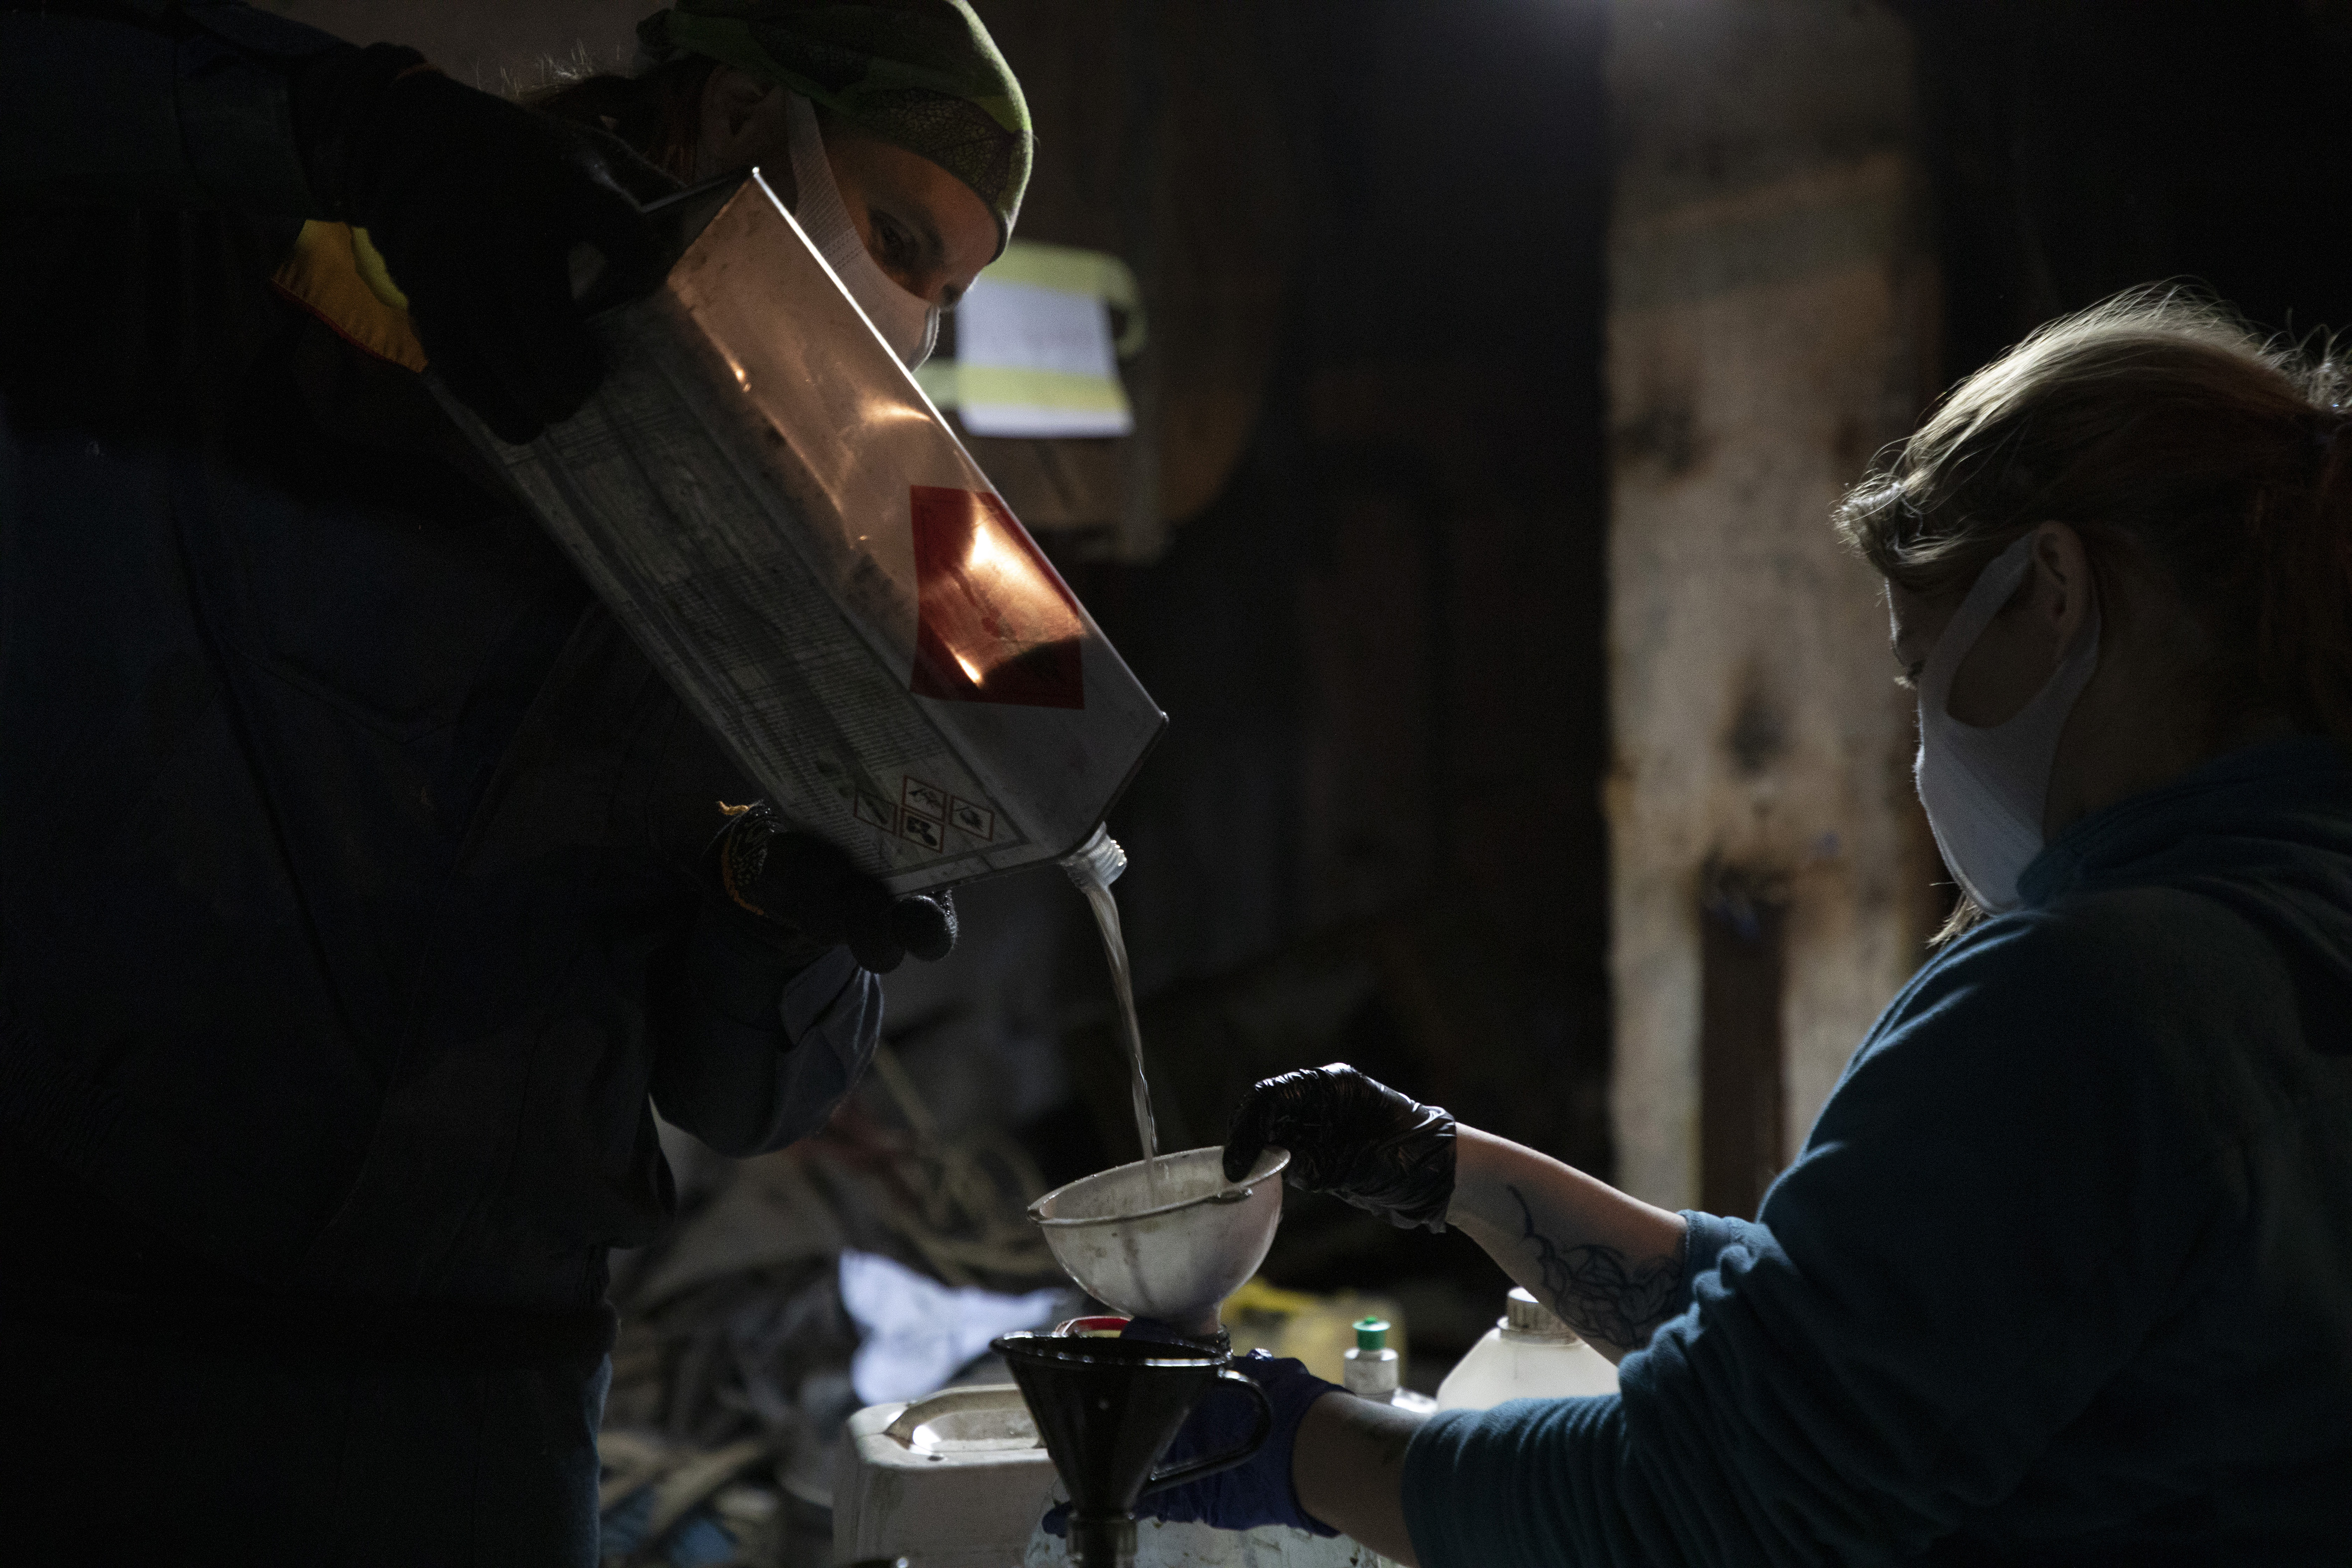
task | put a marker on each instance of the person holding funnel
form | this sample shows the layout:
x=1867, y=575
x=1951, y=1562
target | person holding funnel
x=362, y=889
x=2063, y=1273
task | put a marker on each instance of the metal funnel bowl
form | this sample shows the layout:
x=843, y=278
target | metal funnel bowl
x=1174, y=1259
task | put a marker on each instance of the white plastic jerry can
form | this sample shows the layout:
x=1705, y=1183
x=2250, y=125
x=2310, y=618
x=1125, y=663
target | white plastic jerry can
x=959, y=1480
x=1528, y=1353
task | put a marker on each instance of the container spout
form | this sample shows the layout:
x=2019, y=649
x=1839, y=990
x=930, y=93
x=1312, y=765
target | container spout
x=1098, y=862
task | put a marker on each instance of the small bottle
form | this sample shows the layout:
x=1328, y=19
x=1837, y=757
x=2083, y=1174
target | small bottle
x=1373, y=1371
x=1528, y=1354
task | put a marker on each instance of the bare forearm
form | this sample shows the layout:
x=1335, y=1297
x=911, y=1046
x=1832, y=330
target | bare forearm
x=1608, y=1264
x=1349, y=1471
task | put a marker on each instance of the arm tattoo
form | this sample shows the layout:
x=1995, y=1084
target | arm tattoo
x=1596, y=1292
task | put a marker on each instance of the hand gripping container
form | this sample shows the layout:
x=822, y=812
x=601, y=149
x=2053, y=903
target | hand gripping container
x=769, y=504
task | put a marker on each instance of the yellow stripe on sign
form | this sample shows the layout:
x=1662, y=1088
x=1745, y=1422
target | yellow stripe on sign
x=1055, y=389
x=1068, y=269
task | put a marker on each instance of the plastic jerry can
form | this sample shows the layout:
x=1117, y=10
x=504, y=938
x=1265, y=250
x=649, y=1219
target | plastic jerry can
x=1528, y=1354
x=957, y=1479
x=774, y=511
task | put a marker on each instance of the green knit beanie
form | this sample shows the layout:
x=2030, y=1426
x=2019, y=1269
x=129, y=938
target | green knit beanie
x=923, y=74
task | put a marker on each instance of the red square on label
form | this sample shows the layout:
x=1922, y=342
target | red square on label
x=994, y=623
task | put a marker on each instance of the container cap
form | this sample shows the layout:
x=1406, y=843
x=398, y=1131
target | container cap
x=1371, y=1333
x=1523, y=1314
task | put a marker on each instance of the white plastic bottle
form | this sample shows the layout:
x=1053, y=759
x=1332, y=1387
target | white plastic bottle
x=1528, y=1354
x=1374, y=1371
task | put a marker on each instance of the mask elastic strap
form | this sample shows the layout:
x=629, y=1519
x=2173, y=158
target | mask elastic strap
x=1993, y=588
x=820, y=208
x=824, y=218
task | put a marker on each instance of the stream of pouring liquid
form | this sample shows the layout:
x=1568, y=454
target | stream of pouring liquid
x=1122, y=985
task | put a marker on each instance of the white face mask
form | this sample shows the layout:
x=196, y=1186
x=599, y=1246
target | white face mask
x=1985, y=789
x=910, y=325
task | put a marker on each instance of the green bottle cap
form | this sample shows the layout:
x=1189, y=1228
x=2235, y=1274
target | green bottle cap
x=1371, y=1333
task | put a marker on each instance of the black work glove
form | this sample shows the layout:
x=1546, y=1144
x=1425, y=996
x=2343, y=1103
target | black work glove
x=1353, y=1137
x=807, y=896
x=476, y=205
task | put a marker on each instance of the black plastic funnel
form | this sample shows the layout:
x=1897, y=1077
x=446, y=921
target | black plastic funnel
x=1107, y=1409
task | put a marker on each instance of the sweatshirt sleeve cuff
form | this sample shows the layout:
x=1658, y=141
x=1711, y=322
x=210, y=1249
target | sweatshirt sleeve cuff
x=1705, y=1237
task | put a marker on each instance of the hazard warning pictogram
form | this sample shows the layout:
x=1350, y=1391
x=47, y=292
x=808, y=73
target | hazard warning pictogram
x=993, y=621
x=928, y=800
x=924, y=813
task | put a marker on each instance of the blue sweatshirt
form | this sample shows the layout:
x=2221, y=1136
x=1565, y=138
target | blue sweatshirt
x=2063, y=1274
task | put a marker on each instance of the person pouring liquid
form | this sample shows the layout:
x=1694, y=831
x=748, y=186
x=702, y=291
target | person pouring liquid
x=2063, y=1272
x=362, y=889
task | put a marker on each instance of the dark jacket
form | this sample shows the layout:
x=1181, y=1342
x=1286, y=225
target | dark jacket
x=351, y=895
x=2064, y=1275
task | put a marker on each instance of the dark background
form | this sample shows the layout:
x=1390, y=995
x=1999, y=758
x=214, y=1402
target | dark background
x=1373, y=832
x=2079, y=147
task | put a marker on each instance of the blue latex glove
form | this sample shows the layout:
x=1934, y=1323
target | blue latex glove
x=1256, y=1492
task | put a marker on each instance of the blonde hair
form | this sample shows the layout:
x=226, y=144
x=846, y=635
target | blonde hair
x=2174, y=439
x=2170, y=435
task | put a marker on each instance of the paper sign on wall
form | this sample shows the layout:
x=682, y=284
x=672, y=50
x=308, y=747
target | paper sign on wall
x=1035, y=354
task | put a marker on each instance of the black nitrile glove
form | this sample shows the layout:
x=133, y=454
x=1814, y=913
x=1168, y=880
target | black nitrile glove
x=1353, y=1137
x=808, y=898
x=476, y=205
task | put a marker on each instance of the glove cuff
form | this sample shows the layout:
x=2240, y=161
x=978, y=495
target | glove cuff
x=1424, y=1186
x=1292, y=1397
x=739, y=856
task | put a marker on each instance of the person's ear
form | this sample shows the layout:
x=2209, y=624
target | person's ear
x=731, y=100
x=2059, y=596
